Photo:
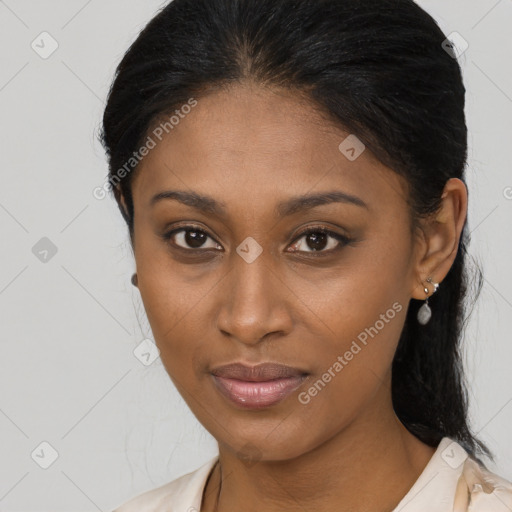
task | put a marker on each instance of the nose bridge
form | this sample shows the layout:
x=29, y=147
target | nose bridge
x=252, y=306
x=251, y=281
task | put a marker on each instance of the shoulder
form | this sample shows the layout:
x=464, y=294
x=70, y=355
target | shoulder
x=183, y=493
x=480, y=490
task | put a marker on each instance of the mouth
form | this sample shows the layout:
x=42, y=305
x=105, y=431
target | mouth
x=256, y=387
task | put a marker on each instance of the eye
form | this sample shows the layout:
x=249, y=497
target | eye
x=317, y=239
x=190, y=238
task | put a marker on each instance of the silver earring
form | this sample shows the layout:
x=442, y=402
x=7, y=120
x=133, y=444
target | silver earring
x=425, y=313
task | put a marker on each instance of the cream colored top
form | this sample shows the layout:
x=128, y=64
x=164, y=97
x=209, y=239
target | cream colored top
x=450, y=482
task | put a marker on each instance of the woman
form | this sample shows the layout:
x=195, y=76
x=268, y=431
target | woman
x=292, y=176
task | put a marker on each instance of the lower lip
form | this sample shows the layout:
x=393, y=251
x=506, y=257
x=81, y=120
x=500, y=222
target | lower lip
x=256, y=395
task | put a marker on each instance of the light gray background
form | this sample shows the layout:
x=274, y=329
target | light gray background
x=69, y=325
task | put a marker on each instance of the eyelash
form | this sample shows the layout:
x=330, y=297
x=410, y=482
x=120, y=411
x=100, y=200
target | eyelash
x=342, y=239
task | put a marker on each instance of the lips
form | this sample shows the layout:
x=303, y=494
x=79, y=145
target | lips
x=258, y=386
x=259, y=373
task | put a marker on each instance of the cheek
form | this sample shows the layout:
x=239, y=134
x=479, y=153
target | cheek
x=368, y=288
x=351, y=364
x=166, y=298
x=178, y=309
x=359, y=340
x=174, y=312
x=361, y=314
x=178, y=326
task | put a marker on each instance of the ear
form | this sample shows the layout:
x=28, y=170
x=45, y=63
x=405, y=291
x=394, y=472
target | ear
x=118, y=194
x=440, y=237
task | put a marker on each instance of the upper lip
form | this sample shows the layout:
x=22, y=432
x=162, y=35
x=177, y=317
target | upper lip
x=258, y=373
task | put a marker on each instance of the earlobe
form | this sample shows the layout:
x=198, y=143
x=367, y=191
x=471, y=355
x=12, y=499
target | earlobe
x=442, y=232
x=425, y=313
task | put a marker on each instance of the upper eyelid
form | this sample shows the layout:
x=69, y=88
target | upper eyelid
x=303, y=232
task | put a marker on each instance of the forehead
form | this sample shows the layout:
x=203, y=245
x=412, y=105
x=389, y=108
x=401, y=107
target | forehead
x=259, y=140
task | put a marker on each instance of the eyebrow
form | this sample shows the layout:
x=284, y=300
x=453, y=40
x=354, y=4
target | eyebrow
x=293, y=205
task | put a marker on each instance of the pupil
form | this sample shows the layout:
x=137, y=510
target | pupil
x=318, y=241
x=195, y=238
x=315, y=241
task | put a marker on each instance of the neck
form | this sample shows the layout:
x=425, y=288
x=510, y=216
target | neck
x=351, y=471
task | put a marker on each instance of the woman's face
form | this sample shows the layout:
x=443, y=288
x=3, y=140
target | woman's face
x=241, y=283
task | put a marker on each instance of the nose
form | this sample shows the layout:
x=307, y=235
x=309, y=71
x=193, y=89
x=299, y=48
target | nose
x=254, y=302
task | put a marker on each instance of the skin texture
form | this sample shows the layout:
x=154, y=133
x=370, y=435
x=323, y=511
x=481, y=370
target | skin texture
x=250, y=148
